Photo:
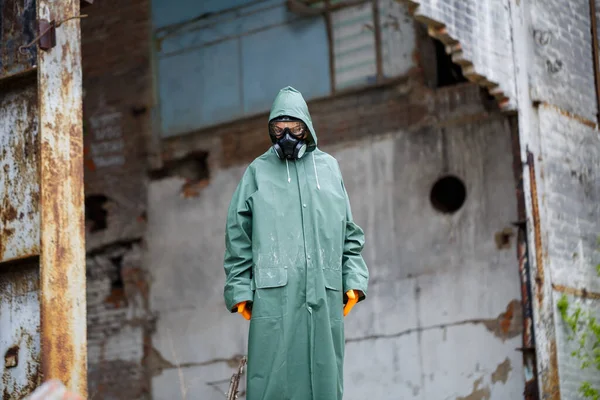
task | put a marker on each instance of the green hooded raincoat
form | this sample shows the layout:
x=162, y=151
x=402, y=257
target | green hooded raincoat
x=292, y=251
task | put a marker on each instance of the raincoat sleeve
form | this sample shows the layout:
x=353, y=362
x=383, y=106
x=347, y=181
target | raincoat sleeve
x=238, y=245
x=355, y=274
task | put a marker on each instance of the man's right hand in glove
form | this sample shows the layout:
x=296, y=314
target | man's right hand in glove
x=246, y=313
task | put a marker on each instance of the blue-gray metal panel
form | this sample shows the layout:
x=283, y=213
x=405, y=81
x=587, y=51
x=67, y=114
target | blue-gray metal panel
x=223, y=67
x=200, y=88
x=17, y=28
x=168, y=12
x=295, y=54
x=226, y=26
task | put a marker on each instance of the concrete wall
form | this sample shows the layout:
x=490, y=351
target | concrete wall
x=443, y=317
x=549, y=49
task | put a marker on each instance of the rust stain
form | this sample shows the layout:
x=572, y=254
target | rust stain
x=550, y=382
x=503, y=239
x=531, y=391
x=478, y=393
x=583, y=293
x=10, y=213
x=193, y=188
x=537, y=230
x=502, y=371
x=116, y=298
x=570, y=115
x=508, y=324
x=11, y=358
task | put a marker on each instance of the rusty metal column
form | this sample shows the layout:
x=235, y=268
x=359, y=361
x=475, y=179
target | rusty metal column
x=62, y=249
x=42, y=256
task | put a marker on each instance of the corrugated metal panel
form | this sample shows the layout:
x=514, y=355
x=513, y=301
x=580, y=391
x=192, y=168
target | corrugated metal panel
x=397, y=38
x=230, y=64
x=354, y=46
x=19, y=336
x=19, y=188
x=17, y=27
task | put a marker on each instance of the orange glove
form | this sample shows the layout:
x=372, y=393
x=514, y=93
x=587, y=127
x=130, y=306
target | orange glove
x=241, y=308
x=352, y=300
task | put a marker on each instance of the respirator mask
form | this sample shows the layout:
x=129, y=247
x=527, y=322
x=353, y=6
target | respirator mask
x=289, y=142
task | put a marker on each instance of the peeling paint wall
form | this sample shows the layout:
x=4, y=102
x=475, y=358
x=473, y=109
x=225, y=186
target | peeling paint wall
x=443, y=317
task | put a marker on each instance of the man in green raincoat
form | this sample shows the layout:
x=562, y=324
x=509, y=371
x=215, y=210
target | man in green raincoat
x=292, y=260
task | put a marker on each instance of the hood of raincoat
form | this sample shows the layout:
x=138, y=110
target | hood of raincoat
x=290, y=102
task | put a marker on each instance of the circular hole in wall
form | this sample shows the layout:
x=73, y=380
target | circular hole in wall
x=448, y=194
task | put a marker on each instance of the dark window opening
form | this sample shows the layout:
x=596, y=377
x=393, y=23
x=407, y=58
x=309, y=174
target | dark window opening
x=95, y=213
x=436, y=65
x=448, y=73
x=192, y=167
x=448, y=194
x=117, y=297
x=117, y=279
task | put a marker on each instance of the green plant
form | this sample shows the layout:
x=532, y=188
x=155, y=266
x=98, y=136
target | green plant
x=584, y=330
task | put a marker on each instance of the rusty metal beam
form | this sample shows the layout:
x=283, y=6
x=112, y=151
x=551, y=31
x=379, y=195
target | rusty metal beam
x=537, y=231
x=583, y=293
x=528, y=350
x=549, y=382
x=62, y=256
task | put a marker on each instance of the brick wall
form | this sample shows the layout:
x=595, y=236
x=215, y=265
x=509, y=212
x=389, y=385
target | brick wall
x=570, y=155
x=118, y=323
x=563, y=71
x=470, y=28
x=116, y=82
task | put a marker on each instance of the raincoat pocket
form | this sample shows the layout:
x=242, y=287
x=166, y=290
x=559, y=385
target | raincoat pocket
x=333, y=279
x=333, y=289
x=265, y=278
x=270, y=293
